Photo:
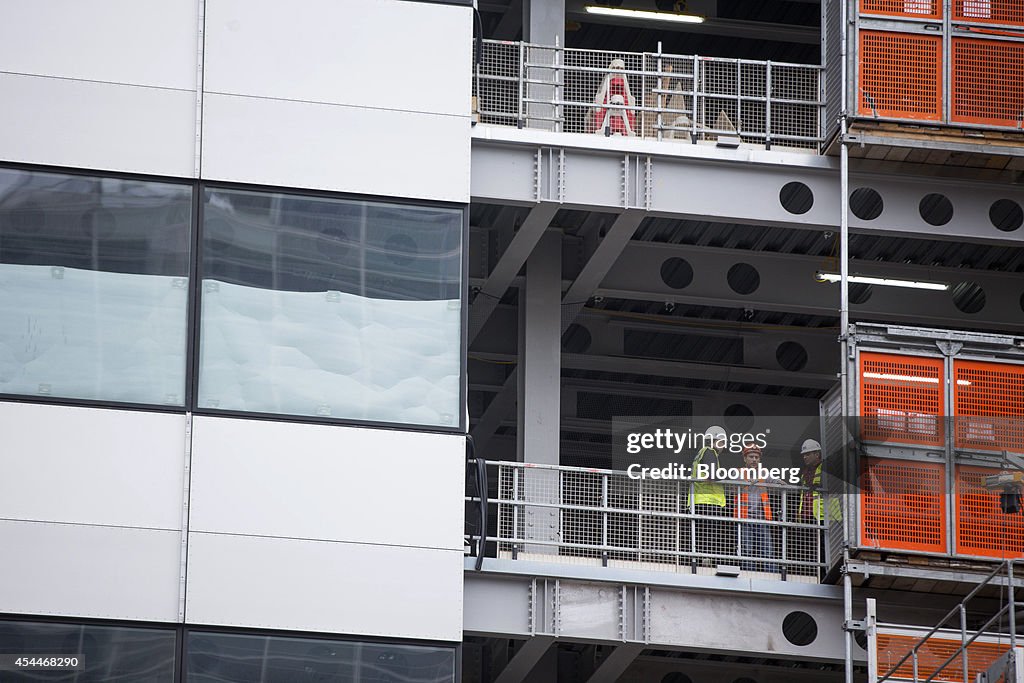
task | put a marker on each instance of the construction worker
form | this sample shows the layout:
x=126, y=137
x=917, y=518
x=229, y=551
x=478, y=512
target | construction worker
x=709, y=500
x=752, y=502
x=812, y=506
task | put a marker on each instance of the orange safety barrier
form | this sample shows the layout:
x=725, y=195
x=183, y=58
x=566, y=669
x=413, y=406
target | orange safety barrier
x=930, y=656
x=981, y=527
x=988, y=402
x=988, y=82
x=902, y=399
x=989, y=11
x=900, y=75
x=902, y=505
x=918, y=9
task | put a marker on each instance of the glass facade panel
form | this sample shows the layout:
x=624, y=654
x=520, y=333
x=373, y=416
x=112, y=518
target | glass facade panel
x=93, y=287
x=108, y=654
x=330, y=308
x=230, y=658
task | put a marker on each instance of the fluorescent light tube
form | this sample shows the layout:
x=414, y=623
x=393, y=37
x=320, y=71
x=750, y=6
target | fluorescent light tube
x=901, y=378
x=885, y=281
x=644, y=14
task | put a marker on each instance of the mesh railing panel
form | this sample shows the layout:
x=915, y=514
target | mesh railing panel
x=982, y=528
x=989, y=11
x=988, y=82
x=605, y=516
x=900, y=75
x=650, y=95
x=917, y=9
x=903, y=505
x=892, y=647
x=901, y=399
x=989, y=406
x=497, y=83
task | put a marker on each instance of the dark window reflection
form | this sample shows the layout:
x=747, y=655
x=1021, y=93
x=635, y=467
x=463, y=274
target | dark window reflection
x=110, y=654
x=333, y=308
x=93, y=287
x=228, y=658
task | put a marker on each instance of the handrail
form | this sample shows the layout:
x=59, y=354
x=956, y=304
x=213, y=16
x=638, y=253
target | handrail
x=961, y=608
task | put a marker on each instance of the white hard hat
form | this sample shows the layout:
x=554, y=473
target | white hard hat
x=809, y=446
x=715, y=433
x=617, y=64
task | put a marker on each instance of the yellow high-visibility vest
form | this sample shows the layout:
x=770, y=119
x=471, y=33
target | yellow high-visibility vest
x=707, y=492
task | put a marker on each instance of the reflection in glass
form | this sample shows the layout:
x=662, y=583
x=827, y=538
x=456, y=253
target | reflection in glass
x=330, y=308
x=93, y=287
x=229, y=658
x=109, y=654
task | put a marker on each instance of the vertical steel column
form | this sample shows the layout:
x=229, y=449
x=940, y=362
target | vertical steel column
x=539, y=382
x=768, y=104
x=844, y=326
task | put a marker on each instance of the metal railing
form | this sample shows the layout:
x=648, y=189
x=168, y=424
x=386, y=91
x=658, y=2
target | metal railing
x=651, y=95
x=925, y=672
x=605, y=517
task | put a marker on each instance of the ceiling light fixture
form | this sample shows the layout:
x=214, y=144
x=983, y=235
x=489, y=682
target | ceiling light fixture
x=883, y=281
x=647, y=15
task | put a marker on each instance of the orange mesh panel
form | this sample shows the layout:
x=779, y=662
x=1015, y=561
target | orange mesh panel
x=989, y=11
x=902, y=505
x=989, y=406
x=981, y=527
x=901, y=399
x=930, y=657
x=900, y=75
x=988, y=82
x=919, y=9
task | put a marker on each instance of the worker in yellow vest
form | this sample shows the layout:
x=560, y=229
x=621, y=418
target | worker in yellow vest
x=709, y=502
x=812, y=505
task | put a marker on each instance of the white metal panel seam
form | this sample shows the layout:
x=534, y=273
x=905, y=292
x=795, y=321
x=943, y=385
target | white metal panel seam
x=94, y=80
x=317, y=540
x=186, y=493
x=51, y=522
x=467, y=115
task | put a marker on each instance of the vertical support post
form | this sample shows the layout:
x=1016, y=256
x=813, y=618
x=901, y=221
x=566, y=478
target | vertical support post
x=539, y=382
x=870, y=619
x=768, y=105
x=544, y=28
x=844, y=332
x=604, y=520
x=662, y=85
x=947, y=58
x=1013, y=606
x=696, y=87
x=963, y=638
x=519, y=100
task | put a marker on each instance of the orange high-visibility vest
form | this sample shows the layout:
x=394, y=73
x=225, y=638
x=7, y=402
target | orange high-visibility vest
x=742, y=504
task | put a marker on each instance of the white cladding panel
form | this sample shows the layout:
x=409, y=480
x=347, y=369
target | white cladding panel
x=62, y=122
x=90, y=571
x=335, y=147
x=91, y=466
x=386, y=54
x=321, y=586
x=139, y=42
x=325, y=482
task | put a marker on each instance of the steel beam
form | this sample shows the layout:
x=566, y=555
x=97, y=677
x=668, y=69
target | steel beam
x=787, y=284
x=730, y=616
x=509, y=264
x=615, y=664
x=599, y=263
x=704, y=183
x=525, y=659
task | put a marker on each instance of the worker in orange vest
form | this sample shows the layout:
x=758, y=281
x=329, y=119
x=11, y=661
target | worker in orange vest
x=753, y=503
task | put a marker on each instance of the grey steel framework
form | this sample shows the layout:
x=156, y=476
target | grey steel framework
x=947, y=28
x=685, y=98
x=1007, y=667
x=597, y=517
x=913, y=342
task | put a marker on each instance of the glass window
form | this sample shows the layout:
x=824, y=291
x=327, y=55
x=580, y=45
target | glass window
x=227, y=658
x=330, y=308
x=93, y=287
x=106, y=653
